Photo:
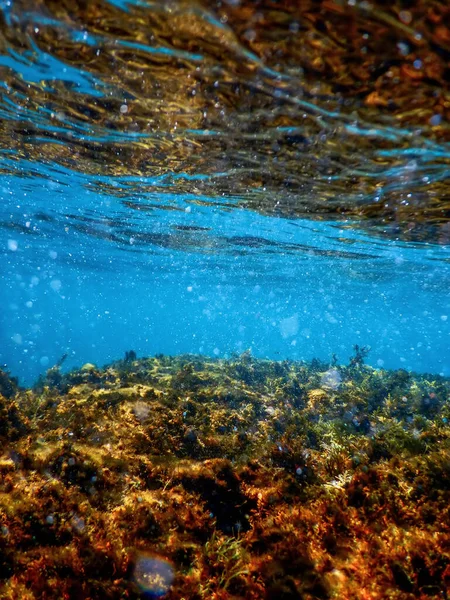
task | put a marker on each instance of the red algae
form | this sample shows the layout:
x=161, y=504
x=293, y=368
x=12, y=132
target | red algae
x=198, y=478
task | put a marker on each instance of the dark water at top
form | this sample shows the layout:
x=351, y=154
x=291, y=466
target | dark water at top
x=210, y=177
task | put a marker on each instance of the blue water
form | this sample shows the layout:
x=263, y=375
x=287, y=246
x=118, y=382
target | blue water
x=98, y=263
x=84, y=275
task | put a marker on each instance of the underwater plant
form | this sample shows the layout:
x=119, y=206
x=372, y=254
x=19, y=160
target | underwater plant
x=236, y=487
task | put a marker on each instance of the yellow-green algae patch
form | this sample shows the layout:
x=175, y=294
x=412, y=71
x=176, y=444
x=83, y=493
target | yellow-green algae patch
x=202, y=478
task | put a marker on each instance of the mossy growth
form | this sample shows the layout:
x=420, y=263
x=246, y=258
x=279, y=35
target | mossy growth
x=242, y=478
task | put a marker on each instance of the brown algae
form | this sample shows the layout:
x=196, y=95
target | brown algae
x=202, y=478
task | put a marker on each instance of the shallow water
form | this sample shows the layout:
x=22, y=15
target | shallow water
x=216, y=177
x=190, y=188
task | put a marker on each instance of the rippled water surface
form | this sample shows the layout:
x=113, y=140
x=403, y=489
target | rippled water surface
x=212, y=177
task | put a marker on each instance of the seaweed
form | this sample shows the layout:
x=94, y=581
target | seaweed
x=245, y=477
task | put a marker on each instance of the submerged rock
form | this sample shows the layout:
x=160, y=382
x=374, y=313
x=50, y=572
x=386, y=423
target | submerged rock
x=142, y=481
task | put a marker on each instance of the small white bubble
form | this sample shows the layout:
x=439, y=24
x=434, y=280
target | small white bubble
x=216, y=351
x=29, y=304
x=435, y=120
x=189, y=288
x=188, y=209
x=405, y=17
x=56, y=285
x=331, y=319
x=12, y=245
x=250, y=35
x=44, y=361
x=289, y=326
x=17, y=338
x=78, y=523
x=124, y=109
x=444, y=317
x=53, y=254
x=332, y=379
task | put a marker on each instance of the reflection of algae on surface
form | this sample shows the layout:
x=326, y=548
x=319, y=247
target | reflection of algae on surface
x=249, y=477
x=316, y=109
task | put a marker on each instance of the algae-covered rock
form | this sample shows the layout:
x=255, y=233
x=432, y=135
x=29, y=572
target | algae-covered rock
x=12, y=424
x=216, y=472
x=8, y=385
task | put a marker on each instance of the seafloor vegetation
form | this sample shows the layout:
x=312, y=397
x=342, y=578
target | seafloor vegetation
x=202, y=478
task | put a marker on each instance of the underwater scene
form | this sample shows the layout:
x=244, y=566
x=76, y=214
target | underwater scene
x=225, y=299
